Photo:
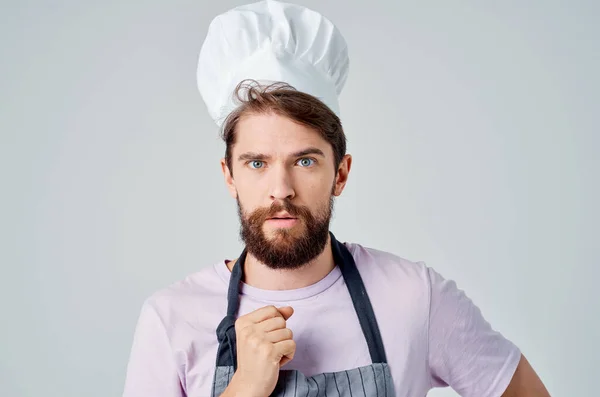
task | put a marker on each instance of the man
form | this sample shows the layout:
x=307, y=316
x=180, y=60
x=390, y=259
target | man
x=299, y=312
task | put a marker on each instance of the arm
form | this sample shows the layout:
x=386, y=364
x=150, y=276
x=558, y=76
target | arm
x=525, y=382
x=467, y=354
x=152, y=370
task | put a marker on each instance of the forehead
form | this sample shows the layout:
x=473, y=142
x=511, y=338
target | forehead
x=271, y=132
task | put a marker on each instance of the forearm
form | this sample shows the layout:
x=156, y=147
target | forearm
x=525, y=382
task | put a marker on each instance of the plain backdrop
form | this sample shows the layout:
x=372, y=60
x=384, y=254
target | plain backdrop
x=474, y=130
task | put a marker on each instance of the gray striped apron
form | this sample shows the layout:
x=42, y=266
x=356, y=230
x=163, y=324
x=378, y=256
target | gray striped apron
x=370, y=380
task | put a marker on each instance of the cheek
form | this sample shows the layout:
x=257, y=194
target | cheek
x=249, y=193
x=317, y=191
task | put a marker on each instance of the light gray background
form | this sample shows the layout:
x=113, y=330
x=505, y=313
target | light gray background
x=474, y=130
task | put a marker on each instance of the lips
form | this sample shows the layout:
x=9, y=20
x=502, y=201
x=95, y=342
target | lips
x=282, y=216
x=282, y=220
x=282, y=223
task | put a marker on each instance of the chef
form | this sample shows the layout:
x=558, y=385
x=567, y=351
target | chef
x=299, y=312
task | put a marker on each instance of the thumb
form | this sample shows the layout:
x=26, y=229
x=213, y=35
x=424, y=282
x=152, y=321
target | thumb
x=286, y=312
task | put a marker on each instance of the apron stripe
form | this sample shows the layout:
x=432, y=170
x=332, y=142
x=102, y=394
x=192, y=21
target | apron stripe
x=375, y=381
x=316, y=383
x=296, y=385
x=349, y=384
x=362, y=382
x=308, y=387
x=384, y=381
x=336, y=385
x=214, y=383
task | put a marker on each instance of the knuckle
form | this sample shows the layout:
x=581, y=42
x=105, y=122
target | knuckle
x=241, y=330
x=239, y=324
x=253, y=340
x=246, y=334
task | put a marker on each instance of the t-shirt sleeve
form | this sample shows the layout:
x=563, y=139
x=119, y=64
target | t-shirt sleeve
x=465, y=353
x=152, y=370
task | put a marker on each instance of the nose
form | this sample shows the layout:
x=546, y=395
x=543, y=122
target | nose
x=282, y=186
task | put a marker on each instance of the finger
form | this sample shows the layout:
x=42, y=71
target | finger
x=284, y=361
x=285, y=348
x=271, y=324
x=286, y=311
x=279, y=335
x=261, y=314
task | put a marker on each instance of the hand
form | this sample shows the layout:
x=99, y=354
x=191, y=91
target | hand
x=264, y=345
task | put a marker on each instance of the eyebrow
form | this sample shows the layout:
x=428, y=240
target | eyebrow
x=261, y=157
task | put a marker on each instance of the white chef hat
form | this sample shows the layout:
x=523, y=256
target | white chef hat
x=271, y=41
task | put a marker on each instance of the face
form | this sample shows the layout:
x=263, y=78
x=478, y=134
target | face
x=284, y=182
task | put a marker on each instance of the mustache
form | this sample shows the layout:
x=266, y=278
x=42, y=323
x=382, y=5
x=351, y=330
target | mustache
x=260, y=215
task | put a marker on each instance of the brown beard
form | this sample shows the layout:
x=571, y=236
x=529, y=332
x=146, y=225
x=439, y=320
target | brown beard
x=287, y=249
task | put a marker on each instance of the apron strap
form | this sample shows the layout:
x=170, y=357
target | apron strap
x=227, y=353
x=360, y=300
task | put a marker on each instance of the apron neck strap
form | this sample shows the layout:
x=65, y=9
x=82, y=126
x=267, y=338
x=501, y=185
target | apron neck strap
x=227, y=351
x=360, y=299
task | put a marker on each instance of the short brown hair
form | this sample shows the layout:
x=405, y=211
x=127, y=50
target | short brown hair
x=285, y=100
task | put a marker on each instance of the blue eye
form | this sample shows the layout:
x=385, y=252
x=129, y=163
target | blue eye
x=256, y=164
x=306, y=162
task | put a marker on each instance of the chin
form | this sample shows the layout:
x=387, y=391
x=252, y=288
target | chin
x=285, y=235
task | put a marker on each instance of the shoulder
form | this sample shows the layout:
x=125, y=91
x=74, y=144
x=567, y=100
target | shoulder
x=374, y=262
x=184, y=300
x=370, y=260
x=395, y=281
x=363, y=253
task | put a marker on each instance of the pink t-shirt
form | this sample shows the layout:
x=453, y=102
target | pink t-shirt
x=434, y=335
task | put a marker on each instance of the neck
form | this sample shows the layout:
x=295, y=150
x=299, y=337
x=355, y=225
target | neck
x=258, y=275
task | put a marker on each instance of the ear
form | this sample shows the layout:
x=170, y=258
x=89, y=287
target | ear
x=342, y=175
x=228, y=179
